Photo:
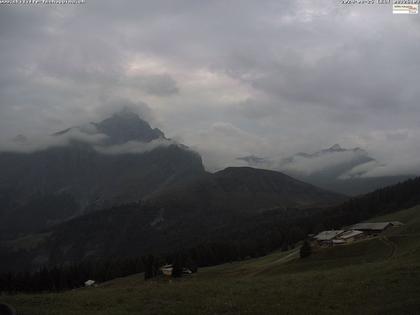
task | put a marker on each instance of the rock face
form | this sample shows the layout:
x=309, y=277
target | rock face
x=118, y=160
x=126, y=126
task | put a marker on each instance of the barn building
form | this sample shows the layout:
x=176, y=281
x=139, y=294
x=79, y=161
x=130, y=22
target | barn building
x=326, y=238
x=351, y=236
x=372, y=228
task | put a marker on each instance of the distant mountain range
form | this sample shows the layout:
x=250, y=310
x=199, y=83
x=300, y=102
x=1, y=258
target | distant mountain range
x=335, y=168
x=80, y=169
x=121, y=160
x=121, y=188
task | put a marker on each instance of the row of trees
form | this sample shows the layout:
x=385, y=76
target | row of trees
x=69, y=276
x=64, y=277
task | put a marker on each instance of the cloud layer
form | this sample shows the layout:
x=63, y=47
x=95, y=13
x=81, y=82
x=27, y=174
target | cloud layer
x=21, y=144
x=230, y=78
x=134, y=147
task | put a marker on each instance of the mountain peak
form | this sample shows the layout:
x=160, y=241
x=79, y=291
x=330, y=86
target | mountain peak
x=126, y=114
x=125, y=125
x=335, y=147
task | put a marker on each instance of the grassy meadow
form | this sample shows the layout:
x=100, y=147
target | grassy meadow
x=375, y=276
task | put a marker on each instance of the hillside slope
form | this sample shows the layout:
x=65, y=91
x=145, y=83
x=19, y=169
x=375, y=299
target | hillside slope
x=383, y=273
x=244, y=189
x=215, y=212
x=228, y=204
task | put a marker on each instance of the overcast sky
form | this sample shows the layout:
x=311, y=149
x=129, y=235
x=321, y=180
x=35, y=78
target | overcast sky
x=228, y=78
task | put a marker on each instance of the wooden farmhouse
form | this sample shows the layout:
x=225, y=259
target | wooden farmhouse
x=372, y=228
x=351, y=236
x=353, y=233
x=326, y=238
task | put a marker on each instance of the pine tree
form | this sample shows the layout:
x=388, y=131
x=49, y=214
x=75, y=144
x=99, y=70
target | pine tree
x=305, y=250
x=177, y=267
x=149, y=267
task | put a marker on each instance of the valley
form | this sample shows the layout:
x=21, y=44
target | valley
x=368, y=277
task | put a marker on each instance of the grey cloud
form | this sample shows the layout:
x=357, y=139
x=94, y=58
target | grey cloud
x=158, y=84
x=21, y=144
x=290, y=76
x=363, y=170
x=307, y=166
x=86, y=133
x=110, y=106
x=134, y=147
x=222, y=143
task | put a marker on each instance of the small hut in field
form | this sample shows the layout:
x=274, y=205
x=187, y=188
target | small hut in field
x=167, y=270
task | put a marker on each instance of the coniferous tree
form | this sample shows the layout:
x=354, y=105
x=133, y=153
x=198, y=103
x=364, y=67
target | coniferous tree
x=149, y=267
x=305, y=250
x=177, y=266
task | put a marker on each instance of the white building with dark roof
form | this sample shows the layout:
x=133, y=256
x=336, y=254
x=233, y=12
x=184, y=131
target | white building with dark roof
x=326, y=237
x=351, y=236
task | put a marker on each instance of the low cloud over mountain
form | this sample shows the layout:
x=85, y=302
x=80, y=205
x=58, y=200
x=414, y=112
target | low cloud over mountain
x=335, y=168
x=122, y=133
x=288, y=76
x=118, y=160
